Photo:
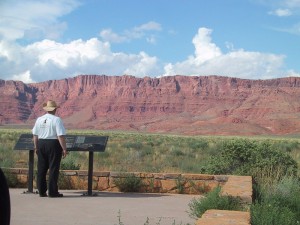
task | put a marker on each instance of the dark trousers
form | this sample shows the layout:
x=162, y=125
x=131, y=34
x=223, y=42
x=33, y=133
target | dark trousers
x=49, y=157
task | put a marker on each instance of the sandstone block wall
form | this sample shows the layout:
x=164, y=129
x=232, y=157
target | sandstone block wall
x=237, y=186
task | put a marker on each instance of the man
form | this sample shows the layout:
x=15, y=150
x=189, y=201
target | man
x=50, y=146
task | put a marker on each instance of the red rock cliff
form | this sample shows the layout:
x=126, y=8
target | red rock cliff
x=174, y=104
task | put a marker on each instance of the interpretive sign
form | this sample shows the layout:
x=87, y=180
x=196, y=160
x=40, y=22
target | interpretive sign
x=74, y=143
x=87, y=143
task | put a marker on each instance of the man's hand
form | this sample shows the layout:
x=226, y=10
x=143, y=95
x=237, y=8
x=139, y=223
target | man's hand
x=63, y=144
x=35, y=143
x=64, y=154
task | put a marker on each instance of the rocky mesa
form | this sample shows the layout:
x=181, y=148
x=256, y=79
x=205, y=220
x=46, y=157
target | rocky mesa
x=190, y=105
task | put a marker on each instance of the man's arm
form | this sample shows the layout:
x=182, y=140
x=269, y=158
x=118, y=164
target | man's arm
x=35, y=143
x=62, y=141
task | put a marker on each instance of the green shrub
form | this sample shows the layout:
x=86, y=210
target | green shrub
x=283, y=194
x=11, y=179
x=248, y=157
x=6, y=157
x=213, y=200
x=180, y=183
x=128, y=183
x=269, y=214
x=68, y=163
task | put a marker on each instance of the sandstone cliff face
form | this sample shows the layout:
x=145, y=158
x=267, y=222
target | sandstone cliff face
x=174, y=104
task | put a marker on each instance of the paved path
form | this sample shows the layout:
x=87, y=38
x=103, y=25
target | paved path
x=106, y=208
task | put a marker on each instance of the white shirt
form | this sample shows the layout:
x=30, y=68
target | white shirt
x=48, y=126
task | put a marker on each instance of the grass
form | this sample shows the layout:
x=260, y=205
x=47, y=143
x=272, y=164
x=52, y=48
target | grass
x=277, y=195
x=133, y=152
x=277, y=203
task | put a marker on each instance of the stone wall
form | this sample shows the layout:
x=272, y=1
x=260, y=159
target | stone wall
x=152, y=182
x=237, y=186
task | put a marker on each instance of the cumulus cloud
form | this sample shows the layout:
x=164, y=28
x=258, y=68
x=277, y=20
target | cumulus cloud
x=33, y=18
x=25, y=77
x=45, y=58
x=209, y=60
x=49, y=59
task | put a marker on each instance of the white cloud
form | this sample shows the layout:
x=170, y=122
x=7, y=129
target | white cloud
x=281, y=8
x=47, y=60
x=204, y=48
x=281, y=12
x=25, y=77
x=295, y=29
x=291, y=4
x=131, y=34
x=33, y=18
x=109, y=35
x=142, y=65
x=209, y=60
x=148, y=26
x=292, y=73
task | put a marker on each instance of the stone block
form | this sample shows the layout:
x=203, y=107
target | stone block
x=103, y=183
x=171, y=175
x=157, y=184
x=146, y=175
x=101, y=174
x=198, y=176
x=224, y=217
x=168, y=186
x=196, y=187
x=23, y=171
x=82, y=182
x=69, y=172
x=15, y=170
x=221, y=178
x=75, y=182
x=158, y=176
x=120, y=174
x=22, y=179
x=82, y=173
x=239, y=186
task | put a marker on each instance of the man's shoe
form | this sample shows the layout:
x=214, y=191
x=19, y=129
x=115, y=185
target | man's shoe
x=58, y=195
x=43, y=195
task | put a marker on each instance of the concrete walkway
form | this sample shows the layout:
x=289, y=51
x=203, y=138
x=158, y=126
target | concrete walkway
x=107, y=208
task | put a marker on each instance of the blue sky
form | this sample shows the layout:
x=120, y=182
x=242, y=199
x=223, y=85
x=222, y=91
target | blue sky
x=55, y=39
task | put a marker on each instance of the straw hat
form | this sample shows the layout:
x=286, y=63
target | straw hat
x=50, y=106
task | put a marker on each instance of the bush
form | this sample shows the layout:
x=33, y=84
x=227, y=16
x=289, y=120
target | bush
x=128, y=183
x=68, y=163
x=246, y=157
x=269, y=214
x=213, y=200
x=11, y=179
x=278, y=202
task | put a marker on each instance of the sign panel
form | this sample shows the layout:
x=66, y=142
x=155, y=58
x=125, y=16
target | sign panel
x=74, y=143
